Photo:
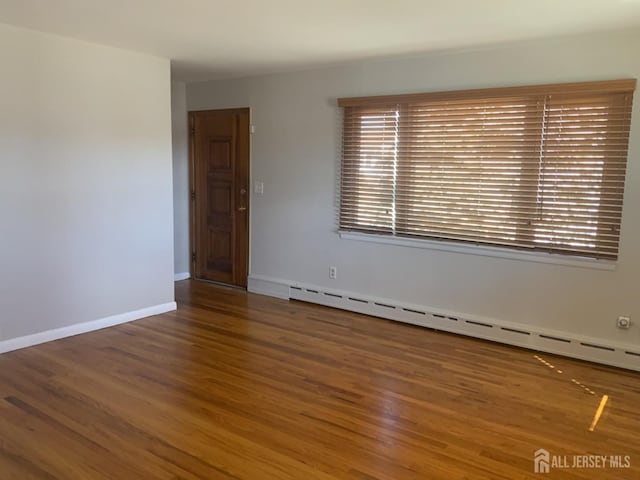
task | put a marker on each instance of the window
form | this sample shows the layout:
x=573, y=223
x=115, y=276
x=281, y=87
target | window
x=536, y=168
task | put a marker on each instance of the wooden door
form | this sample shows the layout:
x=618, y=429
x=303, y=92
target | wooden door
x=220, y=198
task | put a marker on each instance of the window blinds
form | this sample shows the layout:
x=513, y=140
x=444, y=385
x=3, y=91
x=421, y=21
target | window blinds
x=539, y=168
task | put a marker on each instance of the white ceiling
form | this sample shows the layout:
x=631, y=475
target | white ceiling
x=223, y=38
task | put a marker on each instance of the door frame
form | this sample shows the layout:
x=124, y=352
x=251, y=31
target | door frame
x=192, y=192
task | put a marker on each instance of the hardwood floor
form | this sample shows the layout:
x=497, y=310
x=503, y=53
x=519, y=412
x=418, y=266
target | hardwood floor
x=241, y=386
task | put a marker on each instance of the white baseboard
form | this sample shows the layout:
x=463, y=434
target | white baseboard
x=181, y=276
x=71, y=330
x=521, y=335
x=272, y=287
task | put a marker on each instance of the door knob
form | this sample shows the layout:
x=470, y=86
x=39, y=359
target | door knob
x=242, y=207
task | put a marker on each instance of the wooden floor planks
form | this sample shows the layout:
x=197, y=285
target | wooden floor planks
x=241, y=386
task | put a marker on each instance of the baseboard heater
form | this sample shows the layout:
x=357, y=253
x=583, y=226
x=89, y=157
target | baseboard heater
x=560, y=343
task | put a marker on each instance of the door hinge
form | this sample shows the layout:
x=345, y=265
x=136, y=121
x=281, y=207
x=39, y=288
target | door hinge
x=193, y=195
x=192, y=130
x=193, y=257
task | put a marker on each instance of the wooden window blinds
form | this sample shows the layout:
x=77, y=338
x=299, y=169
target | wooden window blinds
x=536, y=168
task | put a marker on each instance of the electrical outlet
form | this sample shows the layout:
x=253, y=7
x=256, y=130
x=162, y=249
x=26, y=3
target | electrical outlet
x=624, y=322
x=333, y=273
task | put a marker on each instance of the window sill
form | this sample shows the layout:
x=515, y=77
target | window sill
x=486, y=251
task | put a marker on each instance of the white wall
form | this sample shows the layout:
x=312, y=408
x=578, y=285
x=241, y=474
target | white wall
x=85, y=182
x=180, y=135
x=293, y=228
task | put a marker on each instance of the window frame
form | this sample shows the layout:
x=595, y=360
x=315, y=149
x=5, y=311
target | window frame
x=434, y=241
